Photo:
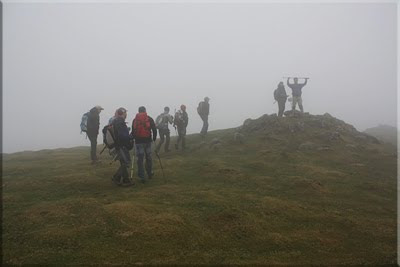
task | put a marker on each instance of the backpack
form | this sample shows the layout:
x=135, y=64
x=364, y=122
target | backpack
x=142, y=125
x=276, y=94
x=84, y=121
x=179, y=119
x=109, y=136
x=200, y=108
x=159, y=120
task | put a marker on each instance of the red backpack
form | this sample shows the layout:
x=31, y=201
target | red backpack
x=142, y=125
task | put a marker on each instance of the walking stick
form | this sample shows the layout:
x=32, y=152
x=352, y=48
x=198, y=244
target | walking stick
x=159, y=160
x=104, y=148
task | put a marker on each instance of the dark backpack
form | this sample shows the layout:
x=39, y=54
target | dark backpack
x=142, y=125
x=109, y=136
x=84, y=121
x=200, y=108
x=276, y=96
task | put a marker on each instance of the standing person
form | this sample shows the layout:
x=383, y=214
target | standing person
x=204, y=110
x=296, y=93
x=162, y=122
x=122, y=145
x=93, y=124
x=280, y=97
x=142, y=127
x=181, y=121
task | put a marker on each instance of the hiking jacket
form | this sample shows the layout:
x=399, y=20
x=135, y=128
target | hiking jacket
x=121, y=132
x=205, y=108
x=296, y=88
x=93, y=122
x=142, y=140
x=165, y=120
x=281, y=94
x=184, y=121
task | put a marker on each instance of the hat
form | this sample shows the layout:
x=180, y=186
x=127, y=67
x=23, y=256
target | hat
x=99, y=108
x=206, y=98
x=121, y=111
x=183, y=107
x=142, y=109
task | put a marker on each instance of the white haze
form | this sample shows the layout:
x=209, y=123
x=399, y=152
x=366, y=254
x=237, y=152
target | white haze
x=62, y=59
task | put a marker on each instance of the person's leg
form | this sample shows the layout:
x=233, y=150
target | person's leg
x=205, y=124
x=149, y=160
x=281, y=108
x=161, y=140
x=93, y=146
x=184, y=138
x=167, y=139
x=294, y=101
x=179, y=137
x=140, y=156
x=300, y=102
x=125, y=163
x=203, y=129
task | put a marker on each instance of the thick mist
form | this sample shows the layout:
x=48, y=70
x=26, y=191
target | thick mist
x=62, y=59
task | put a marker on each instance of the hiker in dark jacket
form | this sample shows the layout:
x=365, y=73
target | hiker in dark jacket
x=296, y=93
x=162, y=122
x=181, y=121
x=280, y=97
x=93, y=124
x=122, y=145
x=144, y=132
x=204, y=110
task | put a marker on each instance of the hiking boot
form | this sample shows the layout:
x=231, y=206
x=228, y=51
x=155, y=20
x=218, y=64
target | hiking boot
x=142, y=180
x=116, y=180
x=151, y=175
x=126, y=184
x=176, y=146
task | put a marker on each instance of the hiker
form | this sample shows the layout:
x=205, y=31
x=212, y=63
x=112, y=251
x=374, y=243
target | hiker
x=280, y=97
x=181, y=121
x=122, y=145
x=162, y=122
x=142, y=128
x=296, y=93
x=110, y=121
x=93, y=124
x=204, y=110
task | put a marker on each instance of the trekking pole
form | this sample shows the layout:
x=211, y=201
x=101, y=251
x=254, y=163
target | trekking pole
x=104, y=148
x=159, y=160
x=133, y=160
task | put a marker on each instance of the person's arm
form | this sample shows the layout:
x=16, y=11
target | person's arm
x=305, y=82
x=187, y=120
x=288, y=83
x=153, y=129
x=170, y=119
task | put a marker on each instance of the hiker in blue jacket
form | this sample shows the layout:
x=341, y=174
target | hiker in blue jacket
x=122, y=145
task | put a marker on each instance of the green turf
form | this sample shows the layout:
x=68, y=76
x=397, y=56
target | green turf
x=261, y=202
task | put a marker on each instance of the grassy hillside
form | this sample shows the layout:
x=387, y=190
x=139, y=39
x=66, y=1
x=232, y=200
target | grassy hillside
x=307, y=190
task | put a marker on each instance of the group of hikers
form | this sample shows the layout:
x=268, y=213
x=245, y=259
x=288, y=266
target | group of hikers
x=281, y=96
x=120, y=140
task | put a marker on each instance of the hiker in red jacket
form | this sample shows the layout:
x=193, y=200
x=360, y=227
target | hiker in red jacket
x=142, y=128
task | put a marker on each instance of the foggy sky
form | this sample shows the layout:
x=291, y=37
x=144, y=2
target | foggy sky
x=60, y=60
